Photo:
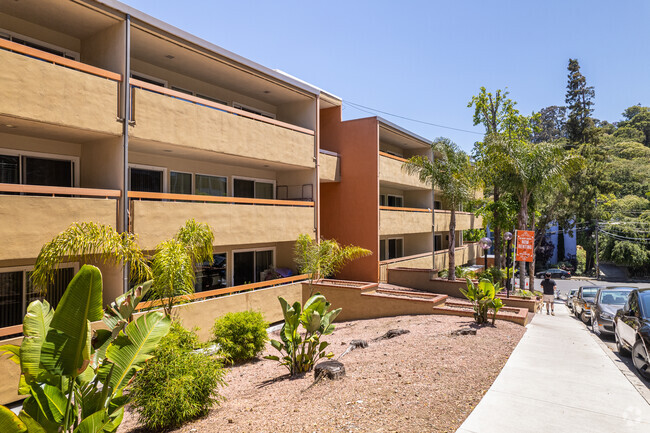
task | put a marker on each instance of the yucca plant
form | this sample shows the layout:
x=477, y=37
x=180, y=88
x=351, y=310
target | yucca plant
x=325, y=258
x=482, y=297
x=301, y=352
x=75, y=377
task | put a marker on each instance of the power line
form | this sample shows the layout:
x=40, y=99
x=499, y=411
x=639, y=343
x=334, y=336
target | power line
x=625, y=238
x=370, y=110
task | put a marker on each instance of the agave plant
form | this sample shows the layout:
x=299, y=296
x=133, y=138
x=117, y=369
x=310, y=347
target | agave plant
x=301, y=352
x=482, y=296
x=75, y=377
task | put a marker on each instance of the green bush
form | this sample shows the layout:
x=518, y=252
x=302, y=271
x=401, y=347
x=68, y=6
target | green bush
x=241, y=335
x=179, y=384
x=494, y=274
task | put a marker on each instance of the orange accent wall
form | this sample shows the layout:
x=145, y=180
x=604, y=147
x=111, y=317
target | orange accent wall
x=350, y=208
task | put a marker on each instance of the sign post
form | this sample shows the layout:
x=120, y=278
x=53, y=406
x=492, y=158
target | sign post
x=525, y=241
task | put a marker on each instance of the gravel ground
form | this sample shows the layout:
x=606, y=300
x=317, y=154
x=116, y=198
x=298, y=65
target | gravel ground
x=426, y=380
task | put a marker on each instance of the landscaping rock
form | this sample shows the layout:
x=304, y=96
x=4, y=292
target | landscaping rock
x=464, y=331
x=392, y=333
x=359, y=344
x=331, y=369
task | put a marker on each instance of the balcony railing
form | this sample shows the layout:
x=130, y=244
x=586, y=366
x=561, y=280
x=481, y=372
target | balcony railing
x=215, y=199
x=58, y=191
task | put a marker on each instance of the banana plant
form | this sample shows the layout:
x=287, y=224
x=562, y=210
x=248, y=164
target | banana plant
x=74, y=376
x=301, y=352
x=482, y=297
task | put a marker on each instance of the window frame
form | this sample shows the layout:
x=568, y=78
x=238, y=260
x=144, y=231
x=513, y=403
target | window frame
x=76, y=56
x=255, y=180
x=43, y=155
x=156, y=81
x=151, y=168
x=228, y=265
x=231, y=266
x=251, y=109
x=386, y=251
x=401, y=197
x=210, y=175
x=182, y=172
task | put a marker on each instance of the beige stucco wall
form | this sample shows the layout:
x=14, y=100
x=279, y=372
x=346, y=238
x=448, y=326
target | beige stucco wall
x=330, y=168
x=10, y=375
x=164, y=119
x=465, y=254
x=233, y=224
x=390, y=170
x=29, y=222
x=44, y=92
x=394, y=222
x=464, y=221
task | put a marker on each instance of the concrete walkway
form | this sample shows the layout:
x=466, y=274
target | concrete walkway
x=558, y=379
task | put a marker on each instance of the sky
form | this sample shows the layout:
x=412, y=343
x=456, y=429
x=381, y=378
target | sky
x=424, y=60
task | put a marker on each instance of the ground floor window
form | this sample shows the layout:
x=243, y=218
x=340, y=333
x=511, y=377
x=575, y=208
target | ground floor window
x=438, y=242
x=211, y=277
x=210, y=185
x=391, y=248
x=252, y=188
x=251, y=266
x=146, y=179
x=37, y=170
x=17, y=292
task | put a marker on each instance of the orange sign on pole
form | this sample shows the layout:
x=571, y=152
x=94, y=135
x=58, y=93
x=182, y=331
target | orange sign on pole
x=525, y=245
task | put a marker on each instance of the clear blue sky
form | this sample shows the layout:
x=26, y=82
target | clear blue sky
x=425, y=59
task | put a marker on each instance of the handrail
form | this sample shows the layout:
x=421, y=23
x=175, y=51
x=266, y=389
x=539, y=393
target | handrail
x=215, y=199
x=418, y=256
x=404, y=209
x=228, y=290
x=11, y=330
x=191, y=98
x=397, y=158
x=13, y=46
x=59, y=190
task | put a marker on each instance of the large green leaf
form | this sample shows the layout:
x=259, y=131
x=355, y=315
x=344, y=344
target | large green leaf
x=32, y=425
x=119, y=311
x=10, y=423
x=31, y=407
x=67, y=346
x=95, y=423
x=132, y=348
x=13, y=350
x=51, y=401
x=35, y=327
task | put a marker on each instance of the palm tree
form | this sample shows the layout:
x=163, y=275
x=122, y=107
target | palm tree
x=452, y=172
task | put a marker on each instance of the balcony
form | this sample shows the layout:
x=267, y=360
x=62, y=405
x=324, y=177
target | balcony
x=391, y=173
x=464, y=221
x=330, y=166
x=403, y=220
x=30, y=221
x=235, y=221
x=45, y=88
x=167, y=116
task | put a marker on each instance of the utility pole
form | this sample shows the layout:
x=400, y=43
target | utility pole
x=596, y=262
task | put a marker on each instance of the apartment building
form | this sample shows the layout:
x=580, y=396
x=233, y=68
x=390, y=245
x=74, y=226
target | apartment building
x=378, y=206
x=109, y=115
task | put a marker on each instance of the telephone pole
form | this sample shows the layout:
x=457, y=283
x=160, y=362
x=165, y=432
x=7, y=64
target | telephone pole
x=597, y=265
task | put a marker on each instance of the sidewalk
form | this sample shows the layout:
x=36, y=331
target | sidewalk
x=558, y=379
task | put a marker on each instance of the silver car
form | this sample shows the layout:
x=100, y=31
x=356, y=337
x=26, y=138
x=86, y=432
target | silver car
x=607, y=302
x=569, y=299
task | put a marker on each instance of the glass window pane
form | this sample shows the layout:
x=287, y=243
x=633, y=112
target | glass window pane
x=212, y=277
x=146, y=180
x=263, y=261
x=382, y=200
x=243, y=268
x=180, y=183
x=264, y=190
x=382, y=249
x=50, y=172
x=210, y=185
x=244, y=188
x=8, y=169
x=11, y=298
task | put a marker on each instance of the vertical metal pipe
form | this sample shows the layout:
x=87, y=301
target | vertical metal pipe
x=126, y=118
x=433, y=226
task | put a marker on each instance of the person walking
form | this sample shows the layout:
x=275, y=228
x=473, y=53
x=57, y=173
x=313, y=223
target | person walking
x=549, y=287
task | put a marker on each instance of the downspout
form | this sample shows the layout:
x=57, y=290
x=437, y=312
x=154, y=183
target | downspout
x=126, y=120
x=433, y=226
x=317, y=174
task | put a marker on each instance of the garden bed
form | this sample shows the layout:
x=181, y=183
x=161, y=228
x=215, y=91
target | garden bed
x=426, y=380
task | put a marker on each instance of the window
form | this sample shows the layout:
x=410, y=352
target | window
x=180, y=183
x=180, y=89
x=37, y=169
x=210, y=98
x=249, y=266
x=210, y=185
x=17, y=292
x=253, y=110
x=39, y=45
x=146, y=179
x=437, y=205
x=251, y=188
x=149, y=79
x=438, y=242
x=382, y=249
x=382, y=200
x=391, y=248
x=395, y=200
x=210, y=277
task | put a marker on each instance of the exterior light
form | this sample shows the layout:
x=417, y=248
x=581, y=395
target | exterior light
x=485, y=243
x=507, y=236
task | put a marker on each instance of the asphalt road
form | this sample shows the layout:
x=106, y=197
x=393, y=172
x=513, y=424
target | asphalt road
x=565, y=286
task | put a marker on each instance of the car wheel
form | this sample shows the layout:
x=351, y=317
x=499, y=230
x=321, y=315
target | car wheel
x=594, y=326
x=564, y=277
x=584, y=318
x=619, y=346
x=640, y=359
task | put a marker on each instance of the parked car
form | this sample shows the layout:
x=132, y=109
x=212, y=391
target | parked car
x=555, y=273
x=608, y=301
x=632, y=329
x=569, y=299
x=583, y=302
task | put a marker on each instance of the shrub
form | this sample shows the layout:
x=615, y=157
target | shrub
x=241, y=335
x=482, y=297
x=494, y=274
x=179, y=384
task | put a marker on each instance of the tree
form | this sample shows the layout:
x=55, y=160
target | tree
x=325, y=258
x=638, y=118
x=551, y=125
x=452, y=172
x=579, y=98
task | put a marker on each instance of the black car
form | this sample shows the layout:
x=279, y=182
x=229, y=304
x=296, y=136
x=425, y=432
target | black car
x=583, y=301
x=608, y=301
x=555, y=273
x=632, y=329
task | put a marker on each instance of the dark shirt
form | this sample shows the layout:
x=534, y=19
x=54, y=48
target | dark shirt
x=548, y=285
